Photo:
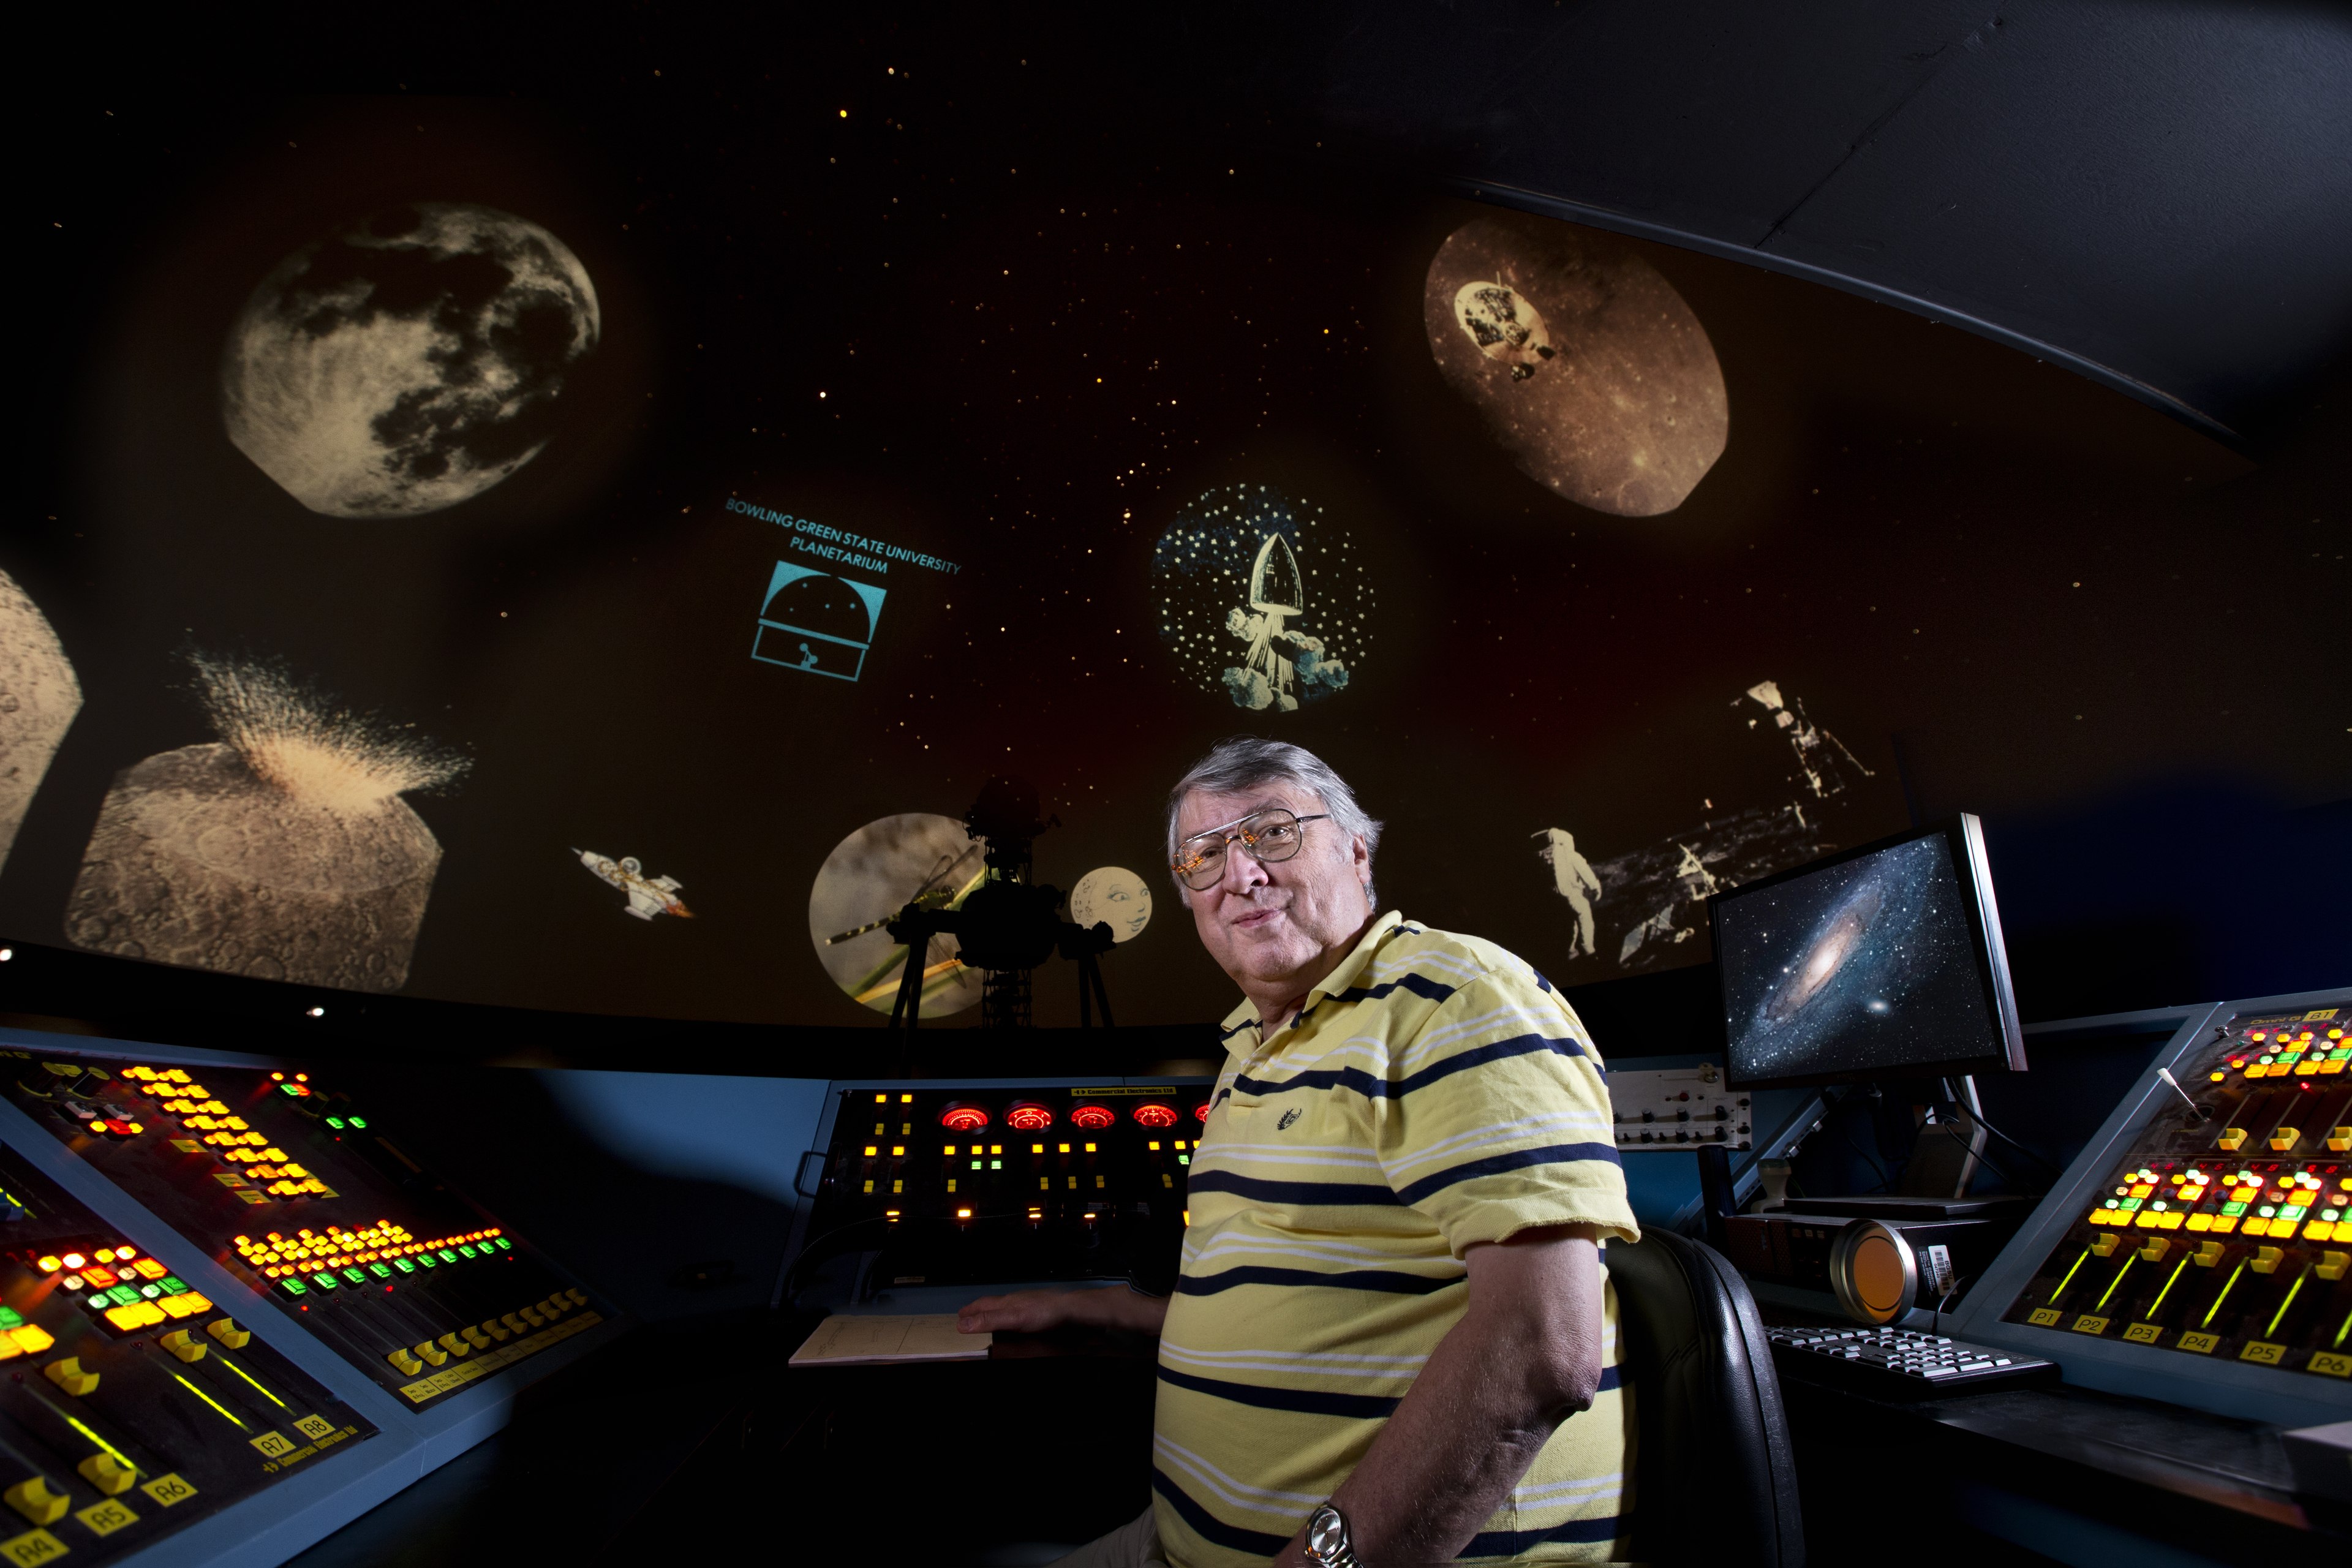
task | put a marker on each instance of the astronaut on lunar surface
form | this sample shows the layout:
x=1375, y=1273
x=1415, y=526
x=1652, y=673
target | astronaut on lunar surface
x=648, y=896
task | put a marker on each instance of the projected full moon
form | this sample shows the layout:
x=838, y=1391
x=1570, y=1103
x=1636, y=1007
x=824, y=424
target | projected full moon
x=1115, y=897
x=1262, y=599
x=1588, y=367
x=408, y=363
x=915, y=857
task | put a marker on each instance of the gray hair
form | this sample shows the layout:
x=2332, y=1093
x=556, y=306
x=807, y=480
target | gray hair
x=1241, y=762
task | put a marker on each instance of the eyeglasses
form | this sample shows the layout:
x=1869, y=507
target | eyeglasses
x=1268, y=836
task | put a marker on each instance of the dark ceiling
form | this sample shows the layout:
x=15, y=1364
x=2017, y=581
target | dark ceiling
x=2158, y=195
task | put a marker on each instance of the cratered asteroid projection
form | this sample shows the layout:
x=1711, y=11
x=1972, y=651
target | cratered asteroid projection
x=915, y=857
x=1114, y=896
x=409, y=361
x=284, y=851
x=38, y=700
x=1588, y=367
x=1262, y=598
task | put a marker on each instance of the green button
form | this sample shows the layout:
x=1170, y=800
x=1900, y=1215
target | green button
x=2233, y=1208
x=356, y=1274
x=428, y=1259
x=124, y=1295
x=996, y=1164
x=465, y=1251
x=323, y=1280
x=447, y=1255
x=1184, y=1159
x=2293, y=1211
x=10, y=1318
x=404, y=1266
x=359, y=1121
x=336, y=1122
x=172, y=1285
x=380, y=1270
x=293, y=1286
x=504, y=1244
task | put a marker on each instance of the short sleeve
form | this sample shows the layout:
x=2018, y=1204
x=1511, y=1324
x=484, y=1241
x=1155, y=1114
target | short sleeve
x=1496, y=1118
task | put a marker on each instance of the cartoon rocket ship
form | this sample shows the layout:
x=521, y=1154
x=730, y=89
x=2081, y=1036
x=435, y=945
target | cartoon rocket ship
x=648, y=896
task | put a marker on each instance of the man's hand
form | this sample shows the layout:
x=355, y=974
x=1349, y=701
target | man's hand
x=1036, y=1312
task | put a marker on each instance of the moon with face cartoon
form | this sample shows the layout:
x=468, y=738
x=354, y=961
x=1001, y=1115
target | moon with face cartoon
x=1115, y=897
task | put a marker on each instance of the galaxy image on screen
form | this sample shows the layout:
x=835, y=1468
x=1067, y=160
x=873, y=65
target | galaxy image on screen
x=1866, y=966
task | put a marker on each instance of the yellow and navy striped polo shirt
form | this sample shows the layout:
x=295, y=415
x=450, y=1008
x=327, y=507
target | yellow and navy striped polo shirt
x=1432, y=1093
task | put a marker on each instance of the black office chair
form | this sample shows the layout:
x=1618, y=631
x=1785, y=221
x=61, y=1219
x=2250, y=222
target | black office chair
x=1712, y=1480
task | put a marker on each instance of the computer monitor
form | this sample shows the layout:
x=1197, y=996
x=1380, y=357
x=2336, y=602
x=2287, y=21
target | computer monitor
x=1883, y=961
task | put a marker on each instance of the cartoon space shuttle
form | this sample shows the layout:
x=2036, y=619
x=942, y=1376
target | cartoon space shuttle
x=648, y=896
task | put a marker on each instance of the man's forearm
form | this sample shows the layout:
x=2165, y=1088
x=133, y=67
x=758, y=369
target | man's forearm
x=1525, y=1356
x=1461, y=1439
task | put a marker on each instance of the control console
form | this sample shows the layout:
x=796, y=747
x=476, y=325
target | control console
x=2204, y=1239
x=992, y=1181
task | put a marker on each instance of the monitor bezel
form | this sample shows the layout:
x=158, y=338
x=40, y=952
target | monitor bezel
x=1964, y=833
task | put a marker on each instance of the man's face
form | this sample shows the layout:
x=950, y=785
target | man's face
x=1278, y=929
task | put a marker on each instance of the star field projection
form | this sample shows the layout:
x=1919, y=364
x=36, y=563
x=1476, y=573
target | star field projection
x=1261, y=598
x=1857, y=967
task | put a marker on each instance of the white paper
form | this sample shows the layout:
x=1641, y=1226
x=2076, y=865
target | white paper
x=842, y=1340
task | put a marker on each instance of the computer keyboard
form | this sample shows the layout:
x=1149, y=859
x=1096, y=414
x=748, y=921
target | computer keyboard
x=1903, y=1364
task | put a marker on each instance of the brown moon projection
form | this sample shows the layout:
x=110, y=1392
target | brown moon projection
x=38, y=699
x=284, y=851
x=1588, y=368
x=915, y=857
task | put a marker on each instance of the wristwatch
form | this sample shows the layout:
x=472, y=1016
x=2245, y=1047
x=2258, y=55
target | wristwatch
x=1326, y=1539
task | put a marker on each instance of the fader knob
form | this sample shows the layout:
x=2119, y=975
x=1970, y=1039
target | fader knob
x=68, y=1375
x=184, y=1344
x=429, y=1353
x=404, y=1364
x=109, y=1474
x=229, y=1334
x=35, y=1501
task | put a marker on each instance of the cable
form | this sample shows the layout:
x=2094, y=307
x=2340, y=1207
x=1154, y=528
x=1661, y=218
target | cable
x=1977, y=1117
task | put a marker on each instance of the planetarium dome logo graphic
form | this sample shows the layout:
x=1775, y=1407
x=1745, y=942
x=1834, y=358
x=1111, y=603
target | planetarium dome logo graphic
x=1262, y=599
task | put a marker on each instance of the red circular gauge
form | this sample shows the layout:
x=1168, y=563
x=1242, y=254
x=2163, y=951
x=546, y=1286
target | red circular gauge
x=1093, y=1118
x=1199, y=1113
x=1028, y=1116
x=1156, y=1115
x=963, y=1117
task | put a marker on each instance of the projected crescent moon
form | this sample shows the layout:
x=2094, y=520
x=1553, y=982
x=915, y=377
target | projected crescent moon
x=914, y=857
x=1589, y=369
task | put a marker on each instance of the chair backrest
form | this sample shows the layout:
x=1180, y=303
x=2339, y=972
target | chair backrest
x=1713, y=1478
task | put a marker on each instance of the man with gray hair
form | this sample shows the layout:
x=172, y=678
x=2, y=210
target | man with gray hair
x=1392, y=1339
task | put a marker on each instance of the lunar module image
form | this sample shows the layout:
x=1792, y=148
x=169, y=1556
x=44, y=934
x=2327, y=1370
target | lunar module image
x=648, y=896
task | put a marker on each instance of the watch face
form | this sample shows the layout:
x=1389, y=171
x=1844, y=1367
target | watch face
x=1326, y=1532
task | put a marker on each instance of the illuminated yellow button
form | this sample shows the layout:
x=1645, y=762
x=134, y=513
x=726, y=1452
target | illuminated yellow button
x=68, y=1375
x=184, y=1344
x=36, y=1502
x=404, y=1364
x=186, y=1306
x=2225, y=1224
x=226, y=1330
x=31, y=1338
x=137, y=1315
x=109, y=1474
x=2200, y=1221
x=2265, y=1259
